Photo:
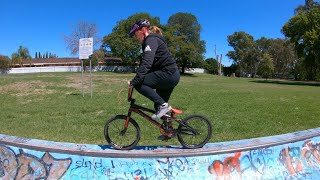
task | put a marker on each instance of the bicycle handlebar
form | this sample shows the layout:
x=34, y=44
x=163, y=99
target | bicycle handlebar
x=130, y=90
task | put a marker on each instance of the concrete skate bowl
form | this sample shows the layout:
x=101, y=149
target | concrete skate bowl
x=288, y=156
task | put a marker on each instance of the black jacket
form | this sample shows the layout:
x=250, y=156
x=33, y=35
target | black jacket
x=156, y=56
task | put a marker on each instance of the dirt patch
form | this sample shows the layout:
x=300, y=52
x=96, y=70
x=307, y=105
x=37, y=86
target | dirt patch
x=76, y=82
x=27, y=88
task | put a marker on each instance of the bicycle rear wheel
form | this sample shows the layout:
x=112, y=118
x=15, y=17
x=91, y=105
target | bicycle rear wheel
x=120, y=138
x=194, y=132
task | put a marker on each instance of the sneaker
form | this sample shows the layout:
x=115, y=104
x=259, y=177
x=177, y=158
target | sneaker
x=162, y=110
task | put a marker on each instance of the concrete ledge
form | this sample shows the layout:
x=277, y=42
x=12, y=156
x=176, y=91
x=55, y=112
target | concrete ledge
x=293, y=155
x=158, y=151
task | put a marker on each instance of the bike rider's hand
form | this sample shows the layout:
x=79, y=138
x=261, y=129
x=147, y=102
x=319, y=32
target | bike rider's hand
x=129, y=84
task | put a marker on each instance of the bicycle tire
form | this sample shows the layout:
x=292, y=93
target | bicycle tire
x=113, y=133
x=199, y=135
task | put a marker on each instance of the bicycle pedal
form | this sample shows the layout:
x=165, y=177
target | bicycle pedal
x=164, y=138
x=165, y=117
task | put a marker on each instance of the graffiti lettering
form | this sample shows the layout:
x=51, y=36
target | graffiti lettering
x=298, y=160
x=84, y=174
x=289, y=157
x=31, y=167
x=88, y=164
x=223, y=170
x=9, y=163
x=311, y=153
x=263, y=151
x=58, y=167
x=3, y=164
x=173, y=167
x=81, y=147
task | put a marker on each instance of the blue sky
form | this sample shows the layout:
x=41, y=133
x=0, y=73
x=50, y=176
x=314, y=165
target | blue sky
x=41, y=25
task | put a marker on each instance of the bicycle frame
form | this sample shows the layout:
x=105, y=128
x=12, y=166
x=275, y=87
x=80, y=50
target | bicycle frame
x=170, y=126
x=141, y=111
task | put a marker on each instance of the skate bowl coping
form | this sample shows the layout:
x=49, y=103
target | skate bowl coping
x=294, y=155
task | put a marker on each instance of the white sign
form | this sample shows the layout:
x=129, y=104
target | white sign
x=85, y=48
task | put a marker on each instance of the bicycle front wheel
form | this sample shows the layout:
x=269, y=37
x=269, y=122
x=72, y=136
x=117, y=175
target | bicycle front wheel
x=119, y=137
x=194, y=132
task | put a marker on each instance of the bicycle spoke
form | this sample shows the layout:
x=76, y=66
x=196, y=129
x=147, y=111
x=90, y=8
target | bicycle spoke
x=121, y=138
x=194, y=131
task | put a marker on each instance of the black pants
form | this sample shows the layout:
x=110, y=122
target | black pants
x=158, y=86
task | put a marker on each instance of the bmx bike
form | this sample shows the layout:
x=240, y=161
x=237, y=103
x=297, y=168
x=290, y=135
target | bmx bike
x=122, y=132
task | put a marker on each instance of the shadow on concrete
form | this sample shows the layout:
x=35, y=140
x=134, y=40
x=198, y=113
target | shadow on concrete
x=289, y=82
x=106, y=147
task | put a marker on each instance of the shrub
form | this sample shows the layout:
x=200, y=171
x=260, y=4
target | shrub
x=4, y=64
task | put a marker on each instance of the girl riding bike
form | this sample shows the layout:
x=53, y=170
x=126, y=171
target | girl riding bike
x=158, y=73
x=158, y=70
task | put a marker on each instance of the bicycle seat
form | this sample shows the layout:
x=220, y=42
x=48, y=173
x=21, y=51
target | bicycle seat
x=176, y=111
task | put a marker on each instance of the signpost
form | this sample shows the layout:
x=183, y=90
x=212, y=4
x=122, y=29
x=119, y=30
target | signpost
x=85, y=51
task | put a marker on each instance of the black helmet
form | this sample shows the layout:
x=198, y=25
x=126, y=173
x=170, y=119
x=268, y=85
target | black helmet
x=138, y=25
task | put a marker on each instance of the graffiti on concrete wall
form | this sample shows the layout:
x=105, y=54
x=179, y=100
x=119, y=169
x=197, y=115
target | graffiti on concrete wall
x=222, y=170
x=296, y=159
x=28, y=166
x=299, y=160
x=266, y=163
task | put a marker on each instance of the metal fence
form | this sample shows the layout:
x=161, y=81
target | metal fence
x=70, y=69
x=78, y=69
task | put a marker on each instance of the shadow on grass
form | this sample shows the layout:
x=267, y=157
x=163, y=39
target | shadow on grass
x=288, y=82
x=188, y=75
x=74, y=94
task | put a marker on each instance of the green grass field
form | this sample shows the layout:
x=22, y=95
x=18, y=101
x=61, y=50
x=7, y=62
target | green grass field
x=50, y=106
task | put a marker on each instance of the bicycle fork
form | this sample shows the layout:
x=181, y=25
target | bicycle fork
x=127, y=120
x=126, y=124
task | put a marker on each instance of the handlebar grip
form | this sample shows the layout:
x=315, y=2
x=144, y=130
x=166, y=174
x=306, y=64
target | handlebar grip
x=130, y=89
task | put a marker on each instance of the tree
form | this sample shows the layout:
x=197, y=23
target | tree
x=228, y=71
x=309, y=4
x=245, y=52
x=184, y=42
x=45, y=55
x=304, y=31
x=20, y=55
x=284, y=57
x=4, y=64
x=121, y=45
x=211, y=65
x=266, y=66
x=53, y=56
x=82, y=30
x=263, y=45
x=98, y=55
